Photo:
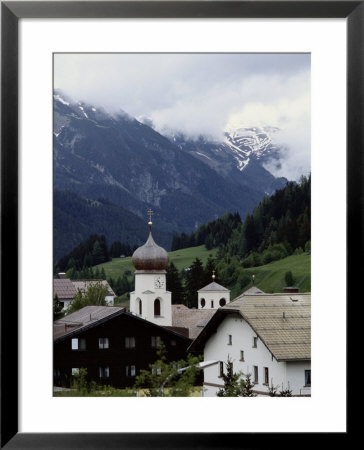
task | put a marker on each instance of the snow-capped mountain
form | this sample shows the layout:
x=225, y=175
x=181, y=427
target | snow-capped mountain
x=251, y=142
x=113, y=157
x=240, y=155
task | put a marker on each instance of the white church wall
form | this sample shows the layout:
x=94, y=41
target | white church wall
x=148, y=288
x=215, y=297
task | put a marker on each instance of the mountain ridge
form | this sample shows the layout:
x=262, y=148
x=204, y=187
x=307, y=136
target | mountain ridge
x=111, y=155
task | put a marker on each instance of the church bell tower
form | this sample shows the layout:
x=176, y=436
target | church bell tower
x=150, y=299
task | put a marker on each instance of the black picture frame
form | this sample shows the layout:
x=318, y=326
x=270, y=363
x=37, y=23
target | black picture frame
x=11, y=12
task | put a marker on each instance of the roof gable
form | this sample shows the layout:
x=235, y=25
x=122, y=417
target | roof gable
x=281, y=321
x=213, y=287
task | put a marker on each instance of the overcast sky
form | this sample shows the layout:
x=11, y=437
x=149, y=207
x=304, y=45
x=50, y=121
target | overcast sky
x=201, y=93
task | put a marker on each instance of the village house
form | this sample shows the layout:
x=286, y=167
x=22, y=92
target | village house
x=265, y=335
x=112, y=344
x=65, y=291
x=83, y=285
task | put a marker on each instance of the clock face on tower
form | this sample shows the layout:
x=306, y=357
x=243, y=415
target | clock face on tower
x=159, y=282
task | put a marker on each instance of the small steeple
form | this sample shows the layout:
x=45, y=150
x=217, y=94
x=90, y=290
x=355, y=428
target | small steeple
x=253, y=278
x=150, y=223
x=213, y=275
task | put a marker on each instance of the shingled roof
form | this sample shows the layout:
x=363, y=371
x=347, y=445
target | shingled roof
x=193, y=319
x=281, y=321
x=64, y=288
x=83, y=318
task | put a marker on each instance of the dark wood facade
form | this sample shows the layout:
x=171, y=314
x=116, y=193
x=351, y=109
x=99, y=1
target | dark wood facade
x=128, y=345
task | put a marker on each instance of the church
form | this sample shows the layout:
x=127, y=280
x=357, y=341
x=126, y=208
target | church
x=153, y=302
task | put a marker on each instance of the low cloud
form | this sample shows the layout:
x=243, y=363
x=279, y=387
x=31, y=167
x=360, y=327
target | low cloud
x=202, y=94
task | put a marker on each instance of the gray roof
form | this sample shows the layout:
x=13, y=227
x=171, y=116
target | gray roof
x=193, y=319
x=84, y=285
x=253, y=290
x=83, y=318
x=64, y=288
x=282, y=321
x=213, y=287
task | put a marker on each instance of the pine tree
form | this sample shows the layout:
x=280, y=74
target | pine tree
x=194, y=282
x=57, y=308
x=174, y=284
x=209, y=270
x=234, y=383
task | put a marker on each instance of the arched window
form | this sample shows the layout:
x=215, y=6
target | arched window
x=222, y=302
x=140, y=307
x=203, y=302
x=157, y=307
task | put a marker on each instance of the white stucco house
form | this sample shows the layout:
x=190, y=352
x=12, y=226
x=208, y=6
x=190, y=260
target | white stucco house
x=265, y=335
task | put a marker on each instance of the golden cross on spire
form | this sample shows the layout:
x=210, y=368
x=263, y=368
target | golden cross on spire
x=150, y=214
x=213, y=275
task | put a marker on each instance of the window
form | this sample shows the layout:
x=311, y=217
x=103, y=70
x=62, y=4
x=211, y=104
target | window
x=212, y=303
x=203, y=302
x=103, y=342
x=130, y=371
x=156, y=370
x=255, y=342
x=255, y=374
x=130, y=342
x=241, y=355
x=222, y=302
x=307, y=377
x=75, y=371
x=78, y=344
x=157, y=307
x=221, y=369
x=156, y=341
x=230, y=339
x=266, y=376
x=140, y=307
x=104, y=372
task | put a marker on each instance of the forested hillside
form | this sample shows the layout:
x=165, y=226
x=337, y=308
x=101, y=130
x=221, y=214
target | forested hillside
x=211, y=234
x=283, y=219
x=75, y=219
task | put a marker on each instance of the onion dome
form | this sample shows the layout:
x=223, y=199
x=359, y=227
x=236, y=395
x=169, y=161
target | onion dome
x=150, y=256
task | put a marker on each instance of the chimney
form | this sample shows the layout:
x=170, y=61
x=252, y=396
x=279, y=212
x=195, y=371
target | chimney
x=62, y=275
x=291, y=290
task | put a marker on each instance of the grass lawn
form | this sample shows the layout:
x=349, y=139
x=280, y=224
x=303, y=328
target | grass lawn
x=270, y=277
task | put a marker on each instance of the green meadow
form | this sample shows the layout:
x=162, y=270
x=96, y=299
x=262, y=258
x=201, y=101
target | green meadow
x=180, y=258
x=271, y=277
